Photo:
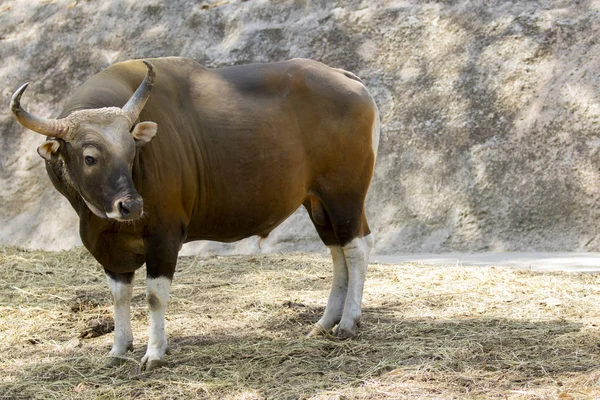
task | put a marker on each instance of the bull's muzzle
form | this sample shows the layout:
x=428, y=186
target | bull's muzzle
x=127, y=209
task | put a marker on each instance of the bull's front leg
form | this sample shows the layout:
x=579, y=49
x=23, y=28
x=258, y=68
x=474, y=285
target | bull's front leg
x=121, y=288
x=161, y=259
x=157, y=295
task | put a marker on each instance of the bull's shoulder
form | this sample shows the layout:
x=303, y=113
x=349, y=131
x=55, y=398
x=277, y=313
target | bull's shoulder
x=163, y=63
x=169, y=70
x=113, y=86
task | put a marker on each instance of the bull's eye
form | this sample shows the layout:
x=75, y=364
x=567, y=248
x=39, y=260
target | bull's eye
x=89, y=160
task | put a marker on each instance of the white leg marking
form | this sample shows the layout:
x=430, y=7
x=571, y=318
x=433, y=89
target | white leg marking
x=337, y=296
x=157, y=294
x=121, y=293
x=357, y=259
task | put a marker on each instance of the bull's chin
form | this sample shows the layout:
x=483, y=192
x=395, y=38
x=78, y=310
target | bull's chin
x=116, y=216
x=113, y=215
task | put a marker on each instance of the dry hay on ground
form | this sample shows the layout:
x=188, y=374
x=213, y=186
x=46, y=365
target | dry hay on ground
x=236, y=327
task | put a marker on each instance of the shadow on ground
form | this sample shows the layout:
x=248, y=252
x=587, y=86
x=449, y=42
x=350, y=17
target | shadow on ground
x=456, y=355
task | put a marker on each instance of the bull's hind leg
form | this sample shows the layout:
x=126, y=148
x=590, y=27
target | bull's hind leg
x=121, y=289
x=339, y=285
x=356, y=254
x=350, y=259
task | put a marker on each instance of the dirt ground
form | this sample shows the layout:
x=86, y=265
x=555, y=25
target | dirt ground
x=237, y=328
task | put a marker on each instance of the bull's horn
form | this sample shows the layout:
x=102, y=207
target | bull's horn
x=49, y=127
x=136, y=103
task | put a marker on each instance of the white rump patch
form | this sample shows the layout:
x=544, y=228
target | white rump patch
x=376, y=132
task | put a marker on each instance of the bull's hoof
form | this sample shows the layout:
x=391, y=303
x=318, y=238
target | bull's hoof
x=344, y=332
x=149, y=365
x=117, y=357
x=115, y=361
x=317, y=331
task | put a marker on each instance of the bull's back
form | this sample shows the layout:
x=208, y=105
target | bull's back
x=298, y=110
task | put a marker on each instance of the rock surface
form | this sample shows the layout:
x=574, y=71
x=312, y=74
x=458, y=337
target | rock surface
x=490, y=109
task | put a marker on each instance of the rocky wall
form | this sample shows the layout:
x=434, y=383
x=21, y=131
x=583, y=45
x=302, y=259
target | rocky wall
x=489, y=109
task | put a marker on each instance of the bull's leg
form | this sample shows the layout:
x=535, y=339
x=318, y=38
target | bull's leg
x=121, y=289
x=356, y=254
x=161, y=259
x=337, y=296
x=157, y=294
x=336, y=225
x=339, y=286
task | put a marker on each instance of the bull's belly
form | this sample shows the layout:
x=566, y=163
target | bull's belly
x=231, y=236
x=238, y=226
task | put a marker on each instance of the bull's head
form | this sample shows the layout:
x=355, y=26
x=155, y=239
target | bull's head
x=96, y=149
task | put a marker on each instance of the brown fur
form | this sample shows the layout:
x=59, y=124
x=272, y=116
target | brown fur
x=237, y=151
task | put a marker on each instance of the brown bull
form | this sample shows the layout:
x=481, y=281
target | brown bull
x=238, y=150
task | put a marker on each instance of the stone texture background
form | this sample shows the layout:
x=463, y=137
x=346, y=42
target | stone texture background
x=490, y=109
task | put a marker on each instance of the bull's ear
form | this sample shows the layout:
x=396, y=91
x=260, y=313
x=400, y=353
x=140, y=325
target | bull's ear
x=48, y=148
x=144, y=132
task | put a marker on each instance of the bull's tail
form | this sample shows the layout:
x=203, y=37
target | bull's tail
x=376, y=123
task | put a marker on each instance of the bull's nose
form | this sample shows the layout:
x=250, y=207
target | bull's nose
x=130, y=208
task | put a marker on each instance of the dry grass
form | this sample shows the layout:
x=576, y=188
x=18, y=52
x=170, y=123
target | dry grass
x=236, y=327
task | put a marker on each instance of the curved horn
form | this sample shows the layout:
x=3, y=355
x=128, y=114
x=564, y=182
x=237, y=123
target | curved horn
x=49, y=127
x=136, y=103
